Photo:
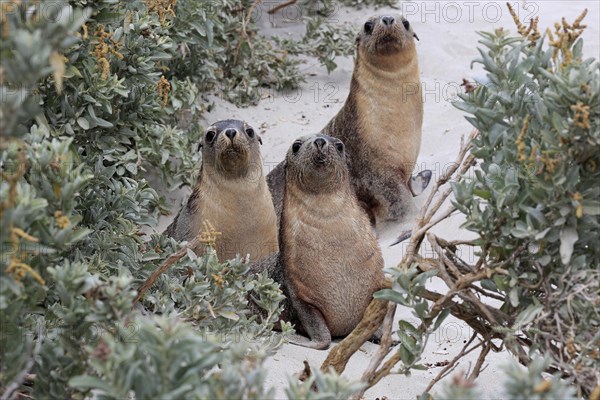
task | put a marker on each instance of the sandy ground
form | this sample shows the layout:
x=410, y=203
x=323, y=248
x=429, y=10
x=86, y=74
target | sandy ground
x=448, y=41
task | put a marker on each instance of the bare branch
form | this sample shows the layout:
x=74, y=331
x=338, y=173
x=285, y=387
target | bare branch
x=281, y=6
x=338, y=356
x=477, y=369
x=454, y=362
x=172, y=259
x=384, y=349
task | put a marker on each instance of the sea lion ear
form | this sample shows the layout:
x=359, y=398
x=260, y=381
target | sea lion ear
x=259, y=139
x=415, y=36
x=199, y=146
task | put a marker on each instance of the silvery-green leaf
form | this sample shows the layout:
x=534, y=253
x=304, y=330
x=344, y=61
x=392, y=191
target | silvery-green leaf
x=568, y=238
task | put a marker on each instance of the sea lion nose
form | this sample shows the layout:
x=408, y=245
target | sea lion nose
x=320, y=143
x=230, y=133
x=387, y=20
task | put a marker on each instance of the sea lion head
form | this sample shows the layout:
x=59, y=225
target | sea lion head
x=231, y=148
x=385, y=36
x=317, y=164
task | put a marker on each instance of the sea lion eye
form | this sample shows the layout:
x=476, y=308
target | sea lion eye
x=296, y=146
x=340, y=147
x=210, y=136
x=406, y=24
x=368, y=27
x=250, y=132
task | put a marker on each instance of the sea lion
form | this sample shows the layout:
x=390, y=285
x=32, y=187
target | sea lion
x=329, y=262
x=231, y=194
x=380, y=122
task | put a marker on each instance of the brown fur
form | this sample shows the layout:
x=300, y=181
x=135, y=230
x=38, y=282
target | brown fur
x=330, y=263
x=232, y=194
x=380, y=123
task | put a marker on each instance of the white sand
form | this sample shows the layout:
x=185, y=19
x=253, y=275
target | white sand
x=447, y=45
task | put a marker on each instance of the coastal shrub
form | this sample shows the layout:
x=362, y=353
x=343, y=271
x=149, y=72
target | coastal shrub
x=95, y=97
x=526, y=182
x=534, y=201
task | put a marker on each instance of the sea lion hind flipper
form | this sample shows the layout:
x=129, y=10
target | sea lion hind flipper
x=419, y=182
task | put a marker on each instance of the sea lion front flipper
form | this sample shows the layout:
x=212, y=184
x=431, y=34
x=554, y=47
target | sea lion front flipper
x=276, y=183
x=314, y=324
x=402, y=237
x=419, y=182
x=181, y=228
x=376, y=338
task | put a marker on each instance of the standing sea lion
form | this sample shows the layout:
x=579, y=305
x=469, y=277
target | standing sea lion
x=329, y=263
x=232, y=194
x=381, y=121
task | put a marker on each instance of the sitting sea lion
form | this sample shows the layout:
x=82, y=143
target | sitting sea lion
x=381, y=121
x=329, y=262
x=231, y=194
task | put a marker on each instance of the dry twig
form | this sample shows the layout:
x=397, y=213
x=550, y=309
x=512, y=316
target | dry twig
x=244, y=34
x=208, y=237
x=281, y=6
x=447, y=370
x=374, y=315
x=370, y=375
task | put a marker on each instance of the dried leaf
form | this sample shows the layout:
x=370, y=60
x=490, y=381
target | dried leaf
x=57, y=62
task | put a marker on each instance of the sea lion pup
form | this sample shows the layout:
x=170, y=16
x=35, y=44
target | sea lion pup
x=329, y=262
x=381, y=121
x=231, y=194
